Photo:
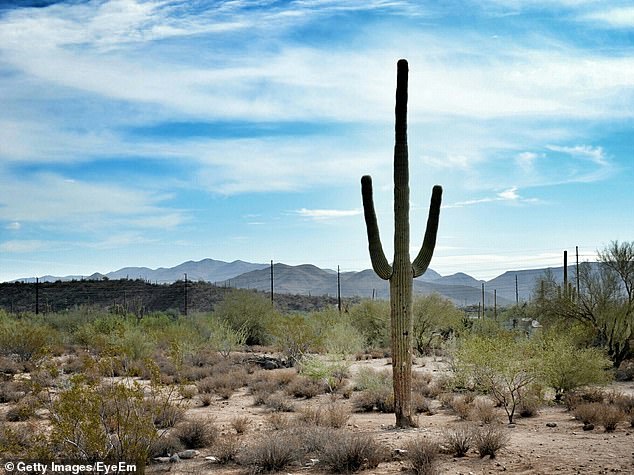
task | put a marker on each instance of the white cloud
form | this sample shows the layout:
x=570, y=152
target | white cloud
x=618, y=17
x=14, y=226
x=54, y=199
x=509, y=195
x=324, y=214
x=24, y=246
x=526, y=161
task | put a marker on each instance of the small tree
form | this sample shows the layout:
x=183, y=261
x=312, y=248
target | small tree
x=435, y=319
x=605, y=303
x=564, y=366
x=247, y=310
x=500, y=366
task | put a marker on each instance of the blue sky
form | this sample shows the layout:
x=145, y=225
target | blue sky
x=147, y=133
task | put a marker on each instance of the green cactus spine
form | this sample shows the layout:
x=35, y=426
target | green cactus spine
x=402, y=271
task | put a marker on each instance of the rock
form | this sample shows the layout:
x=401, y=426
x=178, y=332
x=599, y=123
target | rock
x=188, y=454
x=588, y=426
x=174, y=458
x=161, y=459
x=212, y=459
x=551, y=424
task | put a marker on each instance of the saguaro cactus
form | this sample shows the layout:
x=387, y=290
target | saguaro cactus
x=402, y=271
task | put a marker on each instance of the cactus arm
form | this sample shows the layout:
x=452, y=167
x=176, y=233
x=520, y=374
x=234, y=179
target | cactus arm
x=423, y=258
x=379, y=261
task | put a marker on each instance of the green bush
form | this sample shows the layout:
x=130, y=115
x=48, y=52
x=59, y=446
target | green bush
x=247, y=311
x=565, y=367
x=25, y=338
x=372, y=319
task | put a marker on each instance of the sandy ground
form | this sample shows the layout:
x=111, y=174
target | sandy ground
x=534, y=448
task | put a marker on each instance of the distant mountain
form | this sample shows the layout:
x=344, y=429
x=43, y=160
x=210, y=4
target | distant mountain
x=307, y=279
x=527, y=280
x=208, y=270
x=459, y=278
x=310, y=280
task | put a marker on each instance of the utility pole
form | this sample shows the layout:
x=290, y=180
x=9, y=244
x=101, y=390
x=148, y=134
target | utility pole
x=338, y=290
x=565, y=274
x=482, y=299
x=37, y=295
x=185, y=293
x=517, y=294
x=271, y=281
x=577, y=269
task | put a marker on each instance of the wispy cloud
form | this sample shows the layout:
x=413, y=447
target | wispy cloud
x=509, y=195
x=617, y=17
x=327, y=214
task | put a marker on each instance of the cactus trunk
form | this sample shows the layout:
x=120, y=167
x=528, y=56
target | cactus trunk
x=402, y=271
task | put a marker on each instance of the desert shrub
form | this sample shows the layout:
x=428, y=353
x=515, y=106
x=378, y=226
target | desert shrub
x=225, y=339
x=342, y=338
x=458, y=440
x=305, y=387
x=422, y=455
x=336, y=416
x=462, y=406
x=347, y=452
x=197, y=433
x=25, y=338
x=483, y=410
x=330, y=373
x=165, y=446
x=9, y=367
x=489, y=439
x=610, y=416
x=278, y=420
x=500, y=366
x=23, y=410
x=278, y=403
x=589, y=412
x=226, y=448
x=294, y=336
x=165, y=414
x=240, y=424
x=247, y=311
x=420, y=381
x=565, y=367
x=270, y=453
x=445, y=399
x=371, y=318
x=206, y=399
x=381, y=399
x=312, y=416
x=435, y=319
x=114, y=422
x=24, y=441
x=12, y=391
x=421, y=404
x=581, y=396
x=187, y=391
x=369, y=378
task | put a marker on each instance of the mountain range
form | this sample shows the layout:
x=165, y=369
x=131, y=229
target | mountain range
x=307, y=279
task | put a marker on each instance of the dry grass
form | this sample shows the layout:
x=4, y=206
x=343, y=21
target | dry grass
x=458, y=441
x=347, y=452
x=197, y=433
x=489, y=439
x=422, y=455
